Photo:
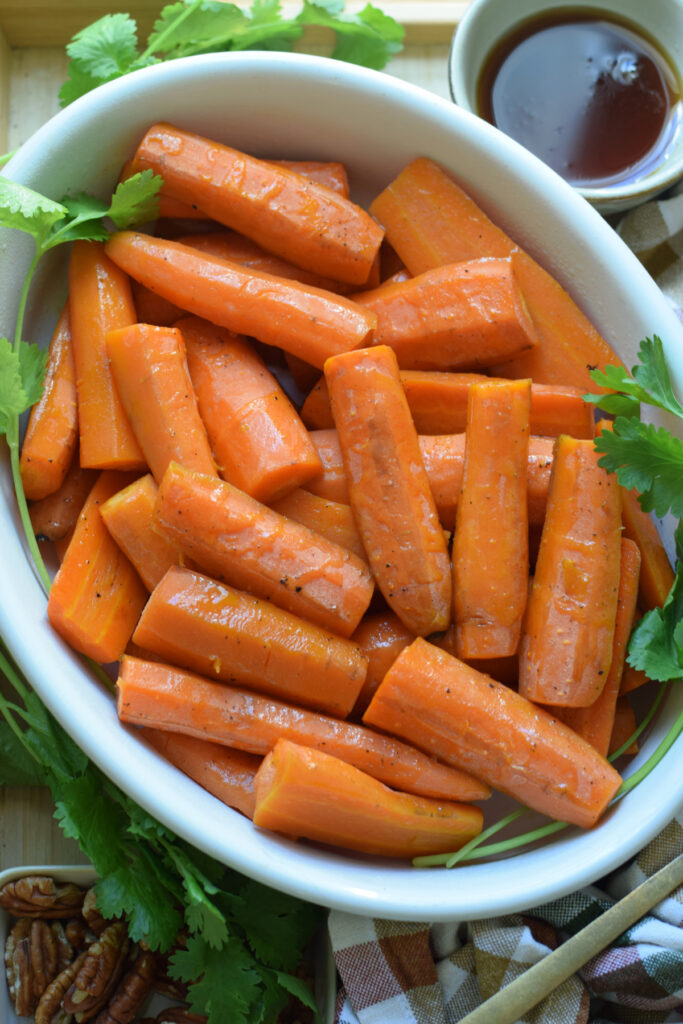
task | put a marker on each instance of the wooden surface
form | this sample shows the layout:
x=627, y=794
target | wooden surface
x=31, y=70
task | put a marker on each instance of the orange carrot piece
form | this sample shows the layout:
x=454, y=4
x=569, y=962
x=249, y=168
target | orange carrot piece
x=595, y=723
x=51, y=436
x=624, y=726
x=307, y=322
x=657, y=576
x=258, y=439
x=459, y=316
x=152, y=309
x=491, y=540
x=212, y=628
x=224, y=772
x=129, y=517
x=270, y=204
x=388, y=488
x=150, y=370
x=165, y=697
x=504, y=670
x=52, y=517
x=240, y=541
x=567, y=640
x=331, y=519
x=309, y=794
x=229, y=245
x=330, y=173
x=469, y=720
x=633, y=679
x=302, y=373
x=97, y=596
x=438, y=405
x=430, y=221
x=444, y=459
x=100, y=300
x=381, y=637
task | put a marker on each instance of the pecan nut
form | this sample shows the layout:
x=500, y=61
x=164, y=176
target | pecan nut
x=89, y=910
x=132, y=990
x=99, y=973
x=49, y=1009
x=41, y=896
x=34, y=952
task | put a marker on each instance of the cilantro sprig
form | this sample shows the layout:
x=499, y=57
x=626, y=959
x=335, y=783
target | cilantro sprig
x=108, y=48
x=50, y=223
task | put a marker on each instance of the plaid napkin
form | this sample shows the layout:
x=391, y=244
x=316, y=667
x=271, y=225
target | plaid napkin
x=397, y=972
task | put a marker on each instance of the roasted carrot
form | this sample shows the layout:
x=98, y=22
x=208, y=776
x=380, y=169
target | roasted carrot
x=152, y=309
x=381, y=637
x=279, y=209
x=307, y=322
x=595, y=723
x=209, y=627
x=235, y=538
x=52, y=517
x=438, y=405
x=331, y=519
x=491, y=540
x=164, y=697
x=624, y=727
x=306, y=793
x=566, y=646
x=129, y=517
x=388, y=488
x=100, y=300
x=150, y=370
x=504, y=670
x=224, y=772
x=444, y=459
x=431, y=221
x=469, y=720
x=302, y=373
x=258, y=439
x=97, y=596
x=633, y=679
x=51, y=436
x=459, y=316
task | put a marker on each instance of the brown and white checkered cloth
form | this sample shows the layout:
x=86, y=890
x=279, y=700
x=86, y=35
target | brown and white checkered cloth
x=395, y=972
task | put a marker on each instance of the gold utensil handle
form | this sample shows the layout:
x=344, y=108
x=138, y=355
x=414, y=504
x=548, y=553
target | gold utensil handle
x=508, y=1005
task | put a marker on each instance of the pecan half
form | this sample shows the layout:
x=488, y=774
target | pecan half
x=99, y=973
x=49, y=1009
x=96, y=923
x=132, y=990
x=34, y=951
x=41, y=896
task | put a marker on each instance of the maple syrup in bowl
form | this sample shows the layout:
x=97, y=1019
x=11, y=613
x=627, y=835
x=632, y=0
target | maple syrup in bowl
x=589, y=90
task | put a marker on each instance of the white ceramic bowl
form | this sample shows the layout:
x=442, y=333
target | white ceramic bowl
x=486, y=22
x=297, y=106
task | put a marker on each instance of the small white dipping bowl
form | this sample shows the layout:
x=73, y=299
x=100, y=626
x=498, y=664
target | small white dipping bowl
x=282, y=105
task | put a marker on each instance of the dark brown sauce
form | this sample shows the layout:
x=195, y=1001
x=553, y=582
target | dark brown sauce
x=592, y=97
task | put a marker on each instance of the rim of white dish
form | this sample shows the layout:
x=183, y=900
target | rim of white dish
x=329, y=878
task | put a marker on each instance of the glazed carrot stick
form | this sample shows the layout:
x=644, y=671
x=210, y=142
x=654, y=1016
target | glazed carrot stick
x=224, y=772
x=164, y=697
x=504, y=670
x=459, y=316
x=624, y=726
x=632, y=679
x=212, y=628
x=491, y=540
x=100, y=300
x=293, y=217
x=469, y=720
x=129, y=517
x=152, y=309
x=306, y=793
x=388, y=488
x=229, y=245
x=381, y=637
x=51, y=436
x=444, y=459
x=330, y=519
x=307, y=322
x=595, y=723
x=97, y=596
x=150, y=370
x=258, y=439
x=52, y=517
x=438, y=405
x=302, y=373
x=430, y=221
x=566, y=646
x=237, y=539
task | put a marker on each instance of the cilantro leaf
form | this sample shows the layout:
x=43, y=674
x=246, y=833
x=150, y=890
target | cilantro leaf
x=32, y=363
x=656, y=644
x=107, y=47
x=368, y=38
x=13, y=397
x=229, y=980
x=183, y=29
x=136, y=200
x=298, y=988
x=77, y=84
x=29, y=211
x=134, y=889
x=85, y=814
x=17, y=767
x=647, y=458
x=276, y=925
x=650, y=382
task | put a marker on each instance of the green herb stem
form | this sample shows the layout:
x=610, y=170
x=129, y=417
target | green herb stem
x=169, y=30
